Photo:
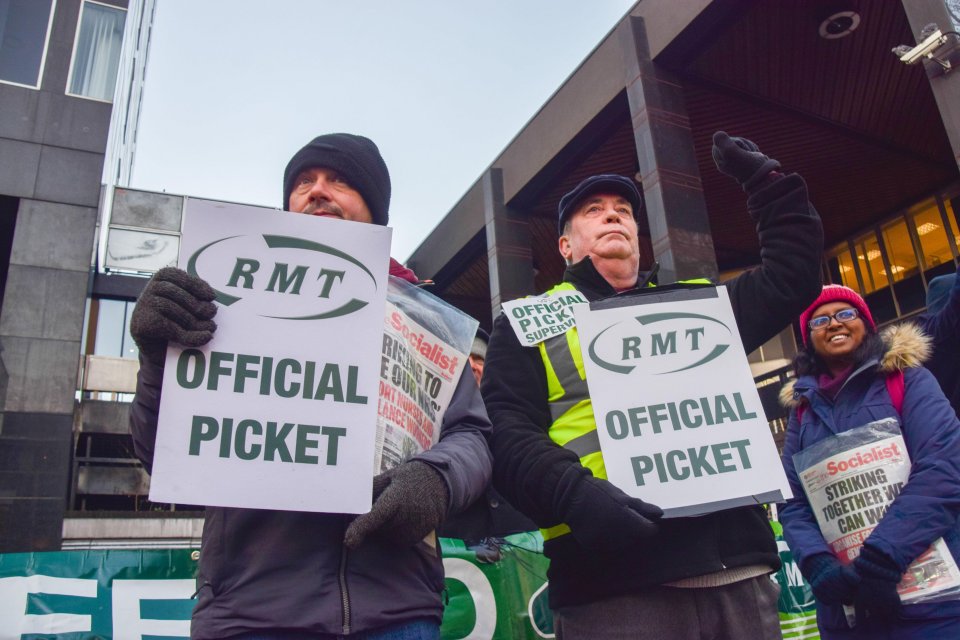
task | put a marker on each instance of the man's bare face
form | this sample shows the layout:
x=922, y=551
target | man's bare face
x=319, y=191
x=602, y=227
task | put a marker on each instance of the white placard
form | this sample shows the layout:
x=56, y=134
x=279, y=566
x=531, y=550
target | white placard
x=678, y=415
x=279, y=410
x=537, y=318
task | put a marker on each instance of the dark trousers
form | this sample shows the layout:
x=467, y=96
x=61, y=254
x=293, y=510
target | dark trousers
x=414, y=630
x=746, y=609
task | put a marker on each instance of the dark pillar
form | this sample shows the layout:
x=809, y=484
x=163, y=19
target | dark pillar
x=673, y=195
x=509, y=252
x=946, y=87
x=35, y=458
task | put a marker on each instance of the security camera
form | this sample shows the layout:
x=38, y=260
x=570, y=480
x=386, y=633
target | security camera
x=925, y=49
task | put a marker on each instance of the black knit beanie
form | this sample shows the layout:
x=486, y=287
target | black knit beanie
x=354, y=157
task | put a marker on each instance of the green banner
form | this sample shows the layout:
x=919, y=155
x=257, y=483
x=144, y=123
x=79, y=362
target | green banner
x=147, y=593
x=798, y=613
x=516, y=585
x=97, y=594
x=144, y=593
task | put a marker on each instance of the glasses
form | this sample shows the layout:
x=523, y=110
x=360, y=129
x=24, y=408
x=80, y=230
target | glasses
x=844, y=316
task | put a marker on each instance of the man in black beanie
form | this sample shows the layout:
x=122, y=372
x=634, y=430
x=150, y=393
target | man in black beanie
x=272, y=575
x=341, y=165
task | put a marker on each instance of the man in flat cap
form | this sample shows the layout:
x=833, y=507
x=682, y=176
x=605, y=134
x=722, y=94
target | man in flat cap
x=271, y=575
x=617, y=569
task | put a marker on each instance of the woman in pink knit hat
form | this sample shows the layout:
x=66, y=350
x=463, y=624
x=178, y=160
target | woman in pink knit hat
x=849, y=375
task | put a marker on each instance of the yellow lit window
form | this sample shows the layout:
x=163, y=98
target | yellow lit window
x=867, y=250
x=952, y=219
x=933, y=237
x=900, y=253
x=842, y=263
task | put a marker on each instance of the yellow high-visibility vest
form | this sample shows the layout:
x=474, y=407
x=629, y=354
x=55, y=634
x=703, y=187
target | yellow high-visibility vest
x=573, y=426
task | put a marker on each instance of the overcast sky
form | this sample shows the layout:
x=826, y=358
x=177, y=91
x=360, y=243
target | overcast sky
x=235, y=87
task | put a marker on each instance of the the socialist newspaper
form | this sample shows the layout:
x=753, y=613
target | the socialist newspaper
x=425, y=347
x=850, y=480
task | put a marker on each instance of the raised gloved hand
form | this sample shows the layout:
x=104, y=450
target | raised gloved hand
x=174, y=307
x=877, y=595
x=409, y=502
x=601, y=516
x=741, y=159
x=831, y=582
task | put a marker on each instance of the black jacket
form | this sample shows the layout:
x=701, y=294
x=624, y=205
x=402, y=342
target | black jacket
x=944, y=328
x=263, y=570
x=532, y=471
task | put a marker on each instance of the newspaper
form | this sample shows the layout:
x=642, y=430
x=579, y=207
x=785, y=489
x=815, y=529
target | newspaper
x=850, y=480
x=425, y=347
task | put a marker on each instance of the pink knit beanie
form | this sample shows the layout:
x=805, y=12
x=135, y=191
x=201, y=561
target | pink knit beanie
x=836, y=293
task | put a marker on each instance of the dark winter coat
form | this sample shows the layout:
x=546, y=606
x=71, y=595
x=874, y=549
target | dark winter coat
x=263, y=569
x=532, y=471
x=944, y=328
x=929, y=505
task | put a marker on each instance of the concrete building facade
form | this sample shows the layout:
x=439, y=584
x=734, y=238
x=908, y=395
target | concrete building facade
x=59, y=62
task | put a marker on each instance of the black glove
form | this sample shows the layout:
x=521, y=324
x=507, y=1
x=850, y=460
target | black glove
x=409, y=502
x=174, y=306
x=877, y=595
x=601, y=516
x=741, y=160
x=832, y=583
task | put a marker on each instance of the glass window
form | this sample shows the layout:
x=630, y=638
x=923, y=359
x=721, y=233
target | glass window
x=23, y=39
x=96, y=52
x=842, y=270
x=867, y=249
x=952, y=219
x=113, y=329
x=933, y=237
x=129, y=347
x=110, y=324
x=900, y=253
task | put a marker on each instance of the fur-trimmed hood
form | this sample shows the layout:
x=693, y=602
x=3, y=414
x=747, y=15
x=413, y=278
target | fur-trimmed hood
x=906, y=347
